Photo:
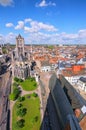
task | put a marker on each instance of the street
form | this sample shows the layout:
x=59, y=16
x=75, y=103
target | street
x=4, y=101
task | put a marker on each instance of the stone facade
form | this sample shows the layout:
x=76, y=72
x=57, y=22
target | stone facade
x=20, y=67
x=21, y=72
x=19, y=46
x=0, y=50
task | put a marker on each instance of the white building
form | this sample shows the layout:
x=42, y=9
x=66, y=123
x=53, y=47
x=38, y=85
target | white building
x=74, y=79
x=82, y=83
x=45, y=68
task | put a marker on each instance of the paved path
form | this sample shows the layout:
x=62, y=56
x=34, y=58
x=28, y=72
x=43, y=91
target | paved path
x=4, y=92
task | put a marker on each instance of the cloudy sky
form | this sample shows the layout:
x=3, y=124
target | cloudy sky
x=43, y=21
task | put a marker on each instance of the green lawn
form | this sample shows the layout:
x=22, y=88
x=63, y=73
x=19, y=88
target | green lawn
x=29, y=84
x=32, y=105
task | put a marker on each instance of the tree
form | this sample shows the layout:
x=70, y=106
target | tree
x=35, y=94
x=15, y=84
x=4, y=50
x=21, y=112
x=32, y=79
x=13, y=96
x=16, y=91
x=16, y=79
x=20, y=123
x=20, y=99
x=35, y=84
x=19, y=105
x=36, y=118
x=20, y=80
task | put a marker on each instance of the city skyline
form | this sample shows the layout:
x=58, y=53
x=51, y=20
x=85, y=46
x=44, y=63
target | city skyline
x=43, y=21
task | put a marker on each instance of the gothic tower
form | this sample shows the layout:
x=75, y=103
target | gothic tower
x=20, y=46
x=20, y=65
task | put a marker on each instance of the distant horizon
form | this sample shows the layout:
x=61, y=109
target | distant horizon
x=66, y=44
x=43, y=21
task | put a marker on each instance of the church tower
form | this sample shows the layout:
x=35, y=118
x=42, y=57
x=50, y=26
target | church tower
x=20, y=46
x=20, y=65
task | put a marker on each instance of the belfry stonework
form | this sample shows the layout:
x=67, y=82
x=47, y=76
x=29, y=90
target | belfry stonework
x=20, y=64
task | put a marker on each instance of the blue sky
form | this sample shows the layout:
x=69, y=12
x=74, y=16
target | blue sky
x=43, y=21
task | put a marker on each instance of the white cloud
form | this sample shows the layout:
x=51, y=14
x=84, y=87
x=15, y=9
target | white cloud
x=42, y=33
x=82, y=33
x=9, y=25
x=43, y=38
x=38, y=26
x=20, y=25
x=27, y=20
x=66, y=36
x=57, y=38
x=46, y=27
x=1, y=39
x=47, y=38
x=29, y=30
x=6, y=2
x=9, y=38
x=29, y=25
x=43, y=3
